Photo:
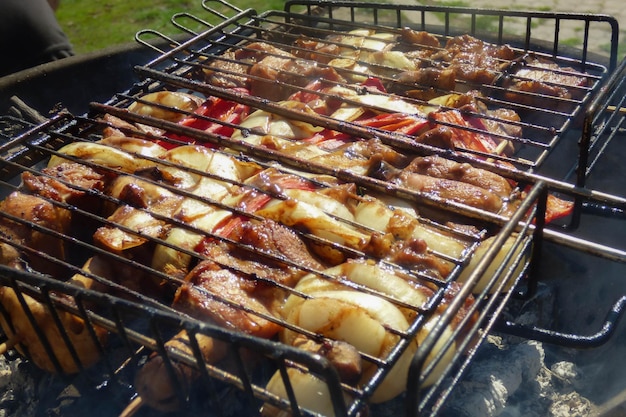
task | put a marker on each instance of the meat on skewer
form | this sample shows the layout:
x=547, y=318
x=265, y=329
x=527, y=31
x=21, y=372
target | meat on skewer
x=236, y=290
x=54, y=354
x=363, y=319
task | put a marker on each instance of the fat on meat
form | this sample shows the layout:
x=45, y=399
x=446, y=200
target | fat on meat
x=42, y=213
x=443, y=188
x=439, y=167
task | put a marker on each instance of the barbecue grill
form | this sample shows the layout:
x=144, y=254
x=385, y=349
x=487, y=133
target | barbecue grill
x=139, y=325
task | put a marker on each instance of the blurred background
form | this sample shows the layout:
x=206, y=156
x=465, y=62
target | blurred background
x=92, y=26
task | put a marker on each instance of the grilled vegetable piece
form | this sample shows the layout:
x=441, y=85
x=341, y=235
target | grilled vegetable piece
x=215, y=115
x=311, y=393
x=498, y=262
x=79, y=351
x=122, y=153
x=336, y=309
x=164, y=105
x=403, y=222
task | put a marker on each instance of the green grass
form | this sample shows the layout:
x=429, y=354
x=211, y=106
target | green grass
x=94, y=25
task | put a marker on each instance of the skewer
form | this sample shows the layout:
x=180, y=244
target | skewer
x=21, y=109
x=132, y=408
x=614, y=109
x=500, y=148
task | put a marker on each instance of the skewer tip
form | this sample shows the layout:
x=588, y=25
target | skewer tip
x=9, y=344
x=132, y=408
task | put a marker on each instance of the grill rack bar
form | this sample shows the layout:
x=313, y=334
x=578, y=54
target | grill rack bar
x=64, y=137
x=613, y=316
x=528, y=37
x=401, y=14
x=209, y=50
x=604, y=123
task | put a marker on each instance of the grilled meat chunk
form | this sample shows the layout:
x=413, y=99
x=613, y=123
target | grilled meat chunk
x=439, y=167
x=275, y=73
x=465, y=61
x=245, y=278
x=474, y=60
x=442, y=188
x=277, y=77
x=268, y=237
x=443, y=79
x=413, y=254
x=344, y=357
x=536, y=82
x=315, y=50
x=39, y=213
x=227, y=71
x=69, y=182
x=451, y=190
x=419, y=37
x=73, y=183
x=236, y=290
x=208, y=285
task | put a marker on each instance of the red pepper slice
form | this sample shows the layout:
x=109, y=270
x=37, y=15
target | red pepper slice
x=218, y=116
x=462, y=138
x=394, y=122
x=557, y=208
x=254, y=200
x=307, y=94
x=375, y=84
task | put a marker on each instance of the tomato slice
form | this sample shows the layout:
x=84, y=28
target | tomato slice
x=254, y=200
